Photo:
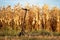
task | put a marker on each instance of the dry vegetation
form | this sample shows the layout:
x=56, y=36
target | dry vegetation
x=12, y=19
x=30, y=38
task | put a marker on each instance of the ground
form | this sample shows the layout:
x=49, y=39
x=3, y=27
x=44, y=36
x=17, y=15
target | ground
x=29, y=37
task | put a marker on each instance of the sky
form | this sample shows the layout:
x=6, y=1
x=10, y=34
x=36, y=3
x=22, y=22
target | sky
x=50, y=3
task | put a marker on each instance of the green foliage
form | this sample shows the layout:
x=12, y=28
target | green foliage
x=56, y=34
x=8, y=31
x=44, y=33
x=40, y=32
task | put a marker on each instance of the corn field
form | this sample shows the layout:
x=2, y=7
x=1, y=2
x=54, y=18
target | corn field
x=34, y=18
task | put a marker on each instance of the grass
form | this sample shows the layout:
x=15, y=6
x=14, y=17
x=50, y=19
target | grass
x=40, y=32
x=15, y=32
x=33, y=35
x=56, y=34
x=9, y=32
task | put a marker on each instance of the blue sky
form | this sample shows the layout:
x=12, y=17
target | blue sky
x=51, y=3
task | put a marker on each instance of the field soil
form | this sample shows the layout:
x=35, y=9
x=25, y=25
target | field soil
x=29, y=37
